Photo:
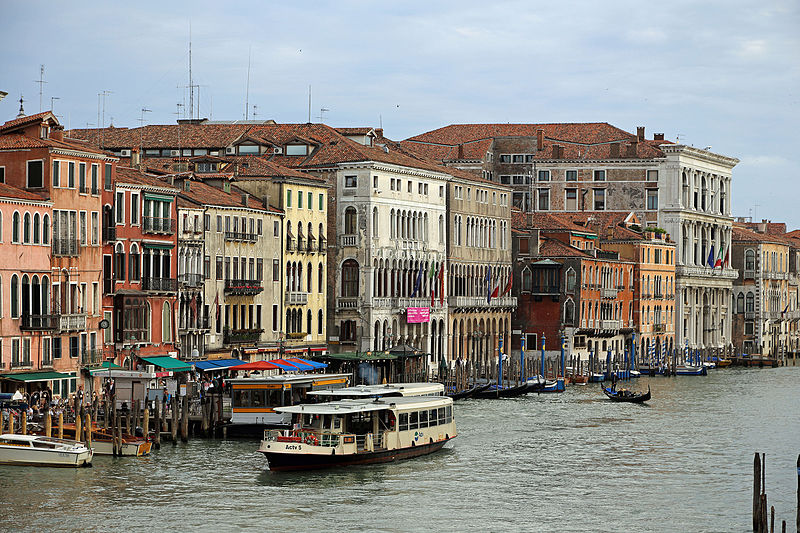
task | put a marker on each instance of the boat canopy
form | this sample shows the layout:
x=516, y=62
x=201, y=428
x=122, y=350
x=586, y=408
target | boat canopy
x=168, y=363
x=387, y=389
x=344, y=407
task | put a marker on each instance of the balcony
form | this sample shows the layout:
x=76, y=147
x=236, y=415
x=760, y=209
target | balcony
x=66, y=247
x=296, y=298
x=158, y=225
x=689, y=271
x=410, y=245
x=238, y=336
x=383, y=303
x=404, y=303
x=658, y=295
x=776, y=275
x=659, y=328
x=199, y=324
x=291, y=244
x=609, y=293
x=92, y=357
x=239, y=236
x=159, y=284
x=749, y=274
x=190, y=280
x=72, y=322
x=243, y=287
x=20, y=365
x=109, y=234
x=347, y=303
x=130, y=336
x=38, y=322
x=479, y=302
x=609, y=324
x=323, y=246
x=349, y=240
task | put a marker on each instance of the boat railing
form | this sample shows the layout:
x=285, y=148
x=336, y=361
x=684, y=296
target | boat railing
x=316, y=438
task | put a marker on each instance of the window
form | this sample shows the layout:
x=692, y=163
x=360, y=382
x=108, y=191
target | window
x=82, y=178
x=94, y=178
x=351, y=181
x=14, y=296
x=350, y=278
x=166, y=323
x=410, y=186
x=544, y=175
x=133, y=263
x=207, y=267
x=218, y=269
x=599, y=175
x=83, y=227
x=107, y=177
x=296, y=149
x=544, y=199
x=253, y=149
x=134, y=208
x=288, y=198
x=71, y=175
x=572, y=175
x=350, y=220
x=276, y=270
x=320, y=279
x=35, y=174
x=119, y=207
x=15, y=227
x=321, y=203
x=26, y=228
x=652, y=175
x=95, y=228
x=505, y=158
x=56, y=176
x=749, y=260
x=599, y=199
x=571, y=199
x=299, y=199
x=750, y=305
x=652, y=199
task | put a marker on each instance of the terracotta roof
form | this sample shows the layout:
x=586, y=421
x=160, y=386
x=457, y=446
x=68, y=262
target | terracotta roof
x=773, y=228
x=17, y=141
x=546, y=222
x=259, y=167
x=9, y=191
x=585, y=141
x=134, y=176
x=741, y=233
x=204, y=194
x=556, y=248
x=23, y=121
x=355, y=131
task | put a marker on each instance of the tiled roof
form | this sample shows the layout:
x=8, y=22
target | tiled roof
x=9, y=191
x=773, y=228
x=134, y=176
x=585, y=141
x=355, y=131
x=556, y=248
x=22, y=121
x=741, y=233
x=17, y=141
x=546, y=222
x=259, y=167
x=204, y=194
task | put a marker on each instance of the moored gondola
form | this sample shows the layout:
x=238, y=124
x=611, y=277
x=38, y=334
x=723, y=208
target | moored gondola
x=625, y=395
x=502, y=392
x=469, y=393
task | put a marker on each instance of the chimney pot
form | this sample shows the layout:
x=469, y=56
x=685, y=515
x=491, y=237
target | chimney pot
x=539, y=139
x=633, y=148
x=640, y=133
x=658, y=137
x=245, y=197
x=57, y=133
x=614, y=150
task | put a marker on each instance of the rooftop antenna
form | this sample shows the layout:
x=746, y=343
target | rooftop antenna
x=141, y=127
x=309, y=104
x=52, y=103
x=191, y=85
x=101, y=123
x=678, y=137
x=255, y=110
x=380, y=120
x=321, y=111
x=247, y=92
x=41, y=83
x=178, y=112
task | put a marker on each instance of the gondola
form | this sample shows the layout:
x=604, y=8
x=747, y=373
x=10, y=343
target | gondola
x=625, y=395
x=507, y=392
x=469, y=393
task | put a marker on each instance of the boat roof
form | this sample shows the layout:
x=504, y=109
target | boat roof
x=363, y=405
x=288, y=378
x=40, y=438
x=386, y=389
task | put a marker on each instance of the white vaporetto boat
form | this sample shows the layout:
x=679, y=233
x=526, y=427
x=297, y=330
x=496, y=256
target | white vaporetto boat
x=361, y=431
x=35, y=450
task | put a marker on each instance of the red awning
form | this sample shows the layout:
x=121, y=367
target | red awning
x=256, y=365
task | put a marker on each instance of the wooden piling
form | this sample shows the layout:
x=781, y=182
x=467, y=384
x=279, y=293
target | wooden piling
x=24, y=423
x=146, y=422
x=174, y=427
x=89, y=430
x=185, y=418
x=48, y=423
x=158, y=425
x=771, y=519
x=756, y=493
x=105, y=415
x=61, y=424
x=11, y=422
x=78, y=426
x=128, y=420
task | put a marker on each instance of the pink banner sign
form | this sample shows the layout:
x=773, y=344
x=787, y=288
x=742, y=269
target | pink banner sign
x=416, y=315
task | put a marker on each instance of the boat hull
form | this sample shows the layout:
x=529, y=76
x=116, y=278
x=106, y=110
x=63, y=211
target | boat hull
x=25, y=456
x=291, y=461
x=129, y=449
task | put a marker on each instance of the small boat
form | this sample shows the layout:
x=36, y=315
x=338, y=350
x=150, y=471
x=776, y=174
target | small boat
x=578, y=379
x=540, y=385
x=597, y=378
x=502, y=392
x=364, y=431
x=102, y=442
x=723, y=362
x=469, y=393
x=625, y=395
x=635, y=374
x=35, y=450
x=691, y=371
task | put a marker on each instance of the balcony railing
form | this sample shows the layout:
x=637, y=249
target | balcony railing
x=158, y=225
x=241, y=236
x=296, y=298
x=243, y=286
x=776, y=275
x=383, y=303
x=290, y=245
x=109, y=234
x=749, y=274
x=658, y=328
x=159, y=284
x=323, y=246
x=15, y=363
x=72, y=322
x=404, y=303
x=478, y=301
x=93, y=356
x=609, y=293
x=348, y=240
x=610, y=324
x=347, y=303
x=38, y=322
x=129, y=336
x=190, y=280
x=235, y=336
x=66, y=247
x=200, y=323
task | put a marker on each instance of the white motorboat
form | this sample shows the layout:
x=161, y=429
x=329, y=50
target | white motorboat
x=35, y=450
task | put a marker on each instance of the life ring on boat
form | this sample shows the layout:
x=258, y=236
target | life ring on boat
x=312, y=440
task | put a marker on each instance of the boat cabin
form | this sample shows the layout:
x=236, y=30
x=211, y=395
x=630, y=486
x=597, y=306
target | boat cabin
x=387, y=390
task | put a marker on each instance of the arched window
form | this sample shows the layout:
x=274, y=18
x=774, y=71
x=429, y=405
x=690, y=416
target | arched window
x=119, y=262
x=320, y=279
x=750, y=303
x=133, y=263
x=15, y=227
x=14, y=296
x=527, y=280
x=350, y=278
x=569, y=312
x=441, y=229
x=319, y=322
x=36, y=228
x=46, y=229
x=350, y=220
x=309, y=274
x=375, y=222
x=749, y=260
x=288, y=321
x=26, y=228
x=740, y=303
x=309, y=329
x=570, y=280
x=166, y=323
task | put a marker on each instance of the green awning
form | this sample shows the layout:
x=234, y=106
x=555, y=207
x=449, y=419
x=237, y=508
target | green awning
x=104, y=366
x=154, y=246
x=159, y=197
x=356, y=356
x=168, y=363
x=29, y=377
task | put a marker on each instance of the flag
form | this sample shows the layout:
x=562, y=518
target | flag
x=508, y=284
x=418, y=282
x=488, y=284
x=785, y=309
x=496, y=279
x=711, y=257
x=431, y=276
x=193, y=305
x=441, y=284
x=727, y=256
x=718, y=263
x=216, y=305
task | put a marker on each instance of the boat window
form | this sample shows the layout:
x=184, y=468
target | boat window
x=403, y=421
x=40, y=444
x=433, y=418
x=337, y=423
x=257, y=398
x=241, y=398
x=414, y=421
x=442, y=416
x=423, y=419
x=449, y=415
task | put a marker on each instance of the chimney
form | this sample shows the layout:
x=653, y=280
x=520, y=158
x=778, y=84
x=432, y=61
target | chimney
x=245, y=198
x=762, y=226
x=460, y=151
x=539, y=139
x=558, y=151
x=614, y=150
x=640, y=133
x=533, y=243
x=265, y=199
x=658, y=136
x=609, y=233
x=57, y=133
x=135, y=158
x=633, y=148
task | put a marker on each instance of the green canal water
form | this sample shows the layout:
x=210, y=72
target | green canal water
x=567, y=462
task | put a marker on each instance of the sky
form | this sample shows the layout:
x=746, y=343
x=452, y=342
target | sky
x=724, y=74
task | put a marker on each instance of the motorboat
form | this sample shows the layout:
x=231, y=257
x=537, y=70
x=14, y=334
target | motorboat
x=103, y=444
x=35, y=450
x=362, y=431
x=691, y=371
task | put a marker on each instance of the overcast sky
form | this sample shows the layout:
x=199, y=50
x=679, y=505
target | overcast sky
x=724, y=74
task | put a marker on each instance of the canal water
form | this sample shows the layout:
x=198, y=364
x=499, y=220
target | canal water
x=566, y=462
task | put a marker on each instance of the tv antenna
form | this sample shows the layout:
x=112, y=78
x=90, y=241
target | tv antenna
x=322, y=110
x=102, y=123
x=247, y=91
x=41, y=83
x=141, y=127
x=52, y=103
